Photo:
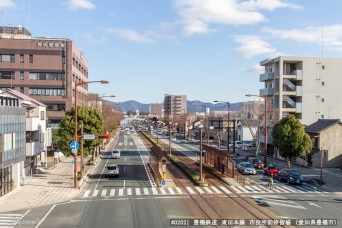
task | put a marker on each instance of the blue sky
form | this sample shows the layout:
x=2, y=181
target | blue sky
x=205, y=49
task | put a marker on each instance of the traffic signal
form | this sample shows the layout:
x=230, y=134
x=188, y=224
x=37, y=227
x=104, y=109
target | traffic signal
x=107, y=135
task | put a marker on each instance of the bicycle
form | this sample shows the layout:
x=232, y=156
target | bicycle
x=271, y=186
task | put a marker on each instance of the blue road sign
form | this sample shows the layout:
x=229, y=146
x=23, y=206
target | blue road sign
x=73, y=161
x=163, y=182
x=74, y=145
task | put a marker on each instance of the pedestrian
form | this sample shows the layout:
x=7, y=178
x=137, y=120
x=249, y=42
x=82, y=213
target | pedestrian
x=223, y=168
x=270, y=182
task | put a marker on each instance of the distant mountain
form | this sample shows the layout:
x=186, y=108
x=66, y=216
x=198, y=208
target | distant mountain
x=192, y=106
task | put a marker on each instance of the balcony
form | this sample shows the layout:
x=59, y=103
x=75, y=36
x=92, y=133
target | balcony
x=299, y=74
x=266, y=92
x=299, y=91
x=33, y=148
x=298, y=107
x=266, y=76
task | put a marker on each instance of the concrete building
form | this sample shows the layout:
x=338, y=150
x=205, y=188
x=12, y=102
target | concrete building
x=46, y=69
x=156, y=110
x=175, y=105
x=36, y=130
x=326, y=136
x=253, y=109
x=308, y=87
x=12, y=141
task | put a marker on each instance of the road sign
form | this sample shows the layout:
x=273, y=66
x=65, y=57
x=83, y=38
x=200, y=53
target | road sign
x=163, y=182
x=87, y=137
x=73, y=161
x=163, y=177
x=74, y=145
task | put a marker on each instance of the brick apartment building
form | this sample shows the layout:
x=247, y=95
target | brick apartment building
x=45, y=69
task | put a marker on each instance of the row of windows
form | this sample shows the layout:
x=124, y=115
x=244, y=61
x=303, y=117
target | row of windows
x=55, y=107
x=7, y=58
x=8, y=101
x=46, y=76
x=11, y=58
x=7, y=75
x=47, y=92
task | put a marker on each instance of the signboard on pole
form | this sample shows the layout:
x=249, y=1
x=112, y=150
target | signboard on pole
x=88, y=137
x=74, y=145
x=163, y=183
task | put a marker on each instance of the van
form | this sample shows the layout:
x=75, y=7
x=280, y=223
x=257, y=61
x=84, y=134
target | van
x=112, y=170
x=116, y=154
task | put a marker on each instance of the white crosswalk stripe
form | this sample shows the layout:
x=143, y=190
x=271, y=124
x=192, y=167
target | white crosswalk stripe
x=156, y=191
x=278, y=189
x=9, y=220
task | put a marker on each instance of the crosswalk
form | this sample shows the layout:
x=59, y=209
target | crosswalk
x=279, y=189
x=9, y=220
x=155, y=191
x=210, y=190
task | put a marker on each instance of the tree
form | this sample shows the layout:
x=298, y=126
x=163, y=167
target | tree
x=111, y=116
x=290, y=138
x=92, y=124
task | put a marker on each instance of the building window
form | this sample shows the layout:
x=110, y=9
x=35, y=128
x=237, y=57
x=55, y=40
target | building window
x=21, y=58
x=42, y=115
x=21, y=75
x=7, y=58
x=7, y=75
x=322, y=99
x=322, y=116
x=31, y=58
x=47, y=92
x=46, y=76
x=21, y=89
x=322, y=83
x=63, y=59
x=9, y=141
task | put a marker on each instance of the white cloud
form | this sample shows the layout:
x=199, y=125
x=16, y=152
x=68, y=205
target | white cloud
x=256, y=68
x=267, y=5
x=131, y=35
x=198, y=14
x=94, y=39
x=7, y=4
x=251, y=46
x=332, y=35
x=80, y=4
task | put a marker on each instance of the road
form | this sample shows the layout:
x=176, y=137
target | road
x=287, y=201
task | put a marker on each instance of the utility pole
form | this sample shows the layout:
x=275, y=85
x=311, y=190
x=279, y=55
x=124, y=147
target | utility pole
x=82, y=150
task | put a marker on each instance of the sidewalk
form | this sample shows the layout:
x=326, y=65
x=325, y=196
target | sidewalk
x=54, y=185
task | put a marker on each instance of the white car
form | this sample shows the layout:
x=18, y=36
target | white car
x=112, y=170
x=246, y=168
x=238, y=144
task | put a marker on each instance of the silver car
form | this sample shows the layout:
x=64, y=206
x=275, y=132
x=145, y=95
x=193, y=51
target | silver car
x=246, y=168
x=112, y=170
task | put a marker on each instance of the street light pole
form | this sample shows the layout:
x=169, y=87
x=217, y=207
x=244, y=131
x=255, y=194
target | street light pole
x=228, y=128
x=265, y=126
x=170, y=138
x=201, y=156
x=75, y=129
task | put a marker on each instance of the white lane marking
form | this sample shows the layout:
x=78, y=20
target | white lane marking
x=154, y=190
x=179, y=190
x=235, y=189
x=216, y=190
x=124, y=183
x=259, y=190
x=171, y=191
x=208, y=190
x=199, y=190
x=289, y=189
x=95, y=193
x=21, y=217
x=121, y=192
x=137, y=191
x=45, y=216
x=104, y=192
x=310, y=203
x=86, y=194
x=162, y=190
x=146, y=191
x=129, y=191
x=249, y=188
x=243, y=189
x=101, y=175
x=190, y=190
x=278, y=201
x=225, y=190
x=112, y=192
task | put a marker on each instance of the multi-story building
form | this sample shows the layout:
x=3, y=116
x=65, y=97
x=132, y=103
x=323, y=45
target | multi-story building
x=308, y=87
x=12, y=141
x=175, y=105
x=156, y=110
x=253, y=109
x=36, y=132
x=45, y=69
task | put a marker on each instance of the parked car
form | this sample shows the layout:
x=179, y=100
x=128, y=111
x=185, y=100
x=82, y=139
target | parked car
x=112, y=170
x=246, y=168
x=292, y=176
x=245, y=144
x=238, y=144
x=257, y=163
x=271, y=170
